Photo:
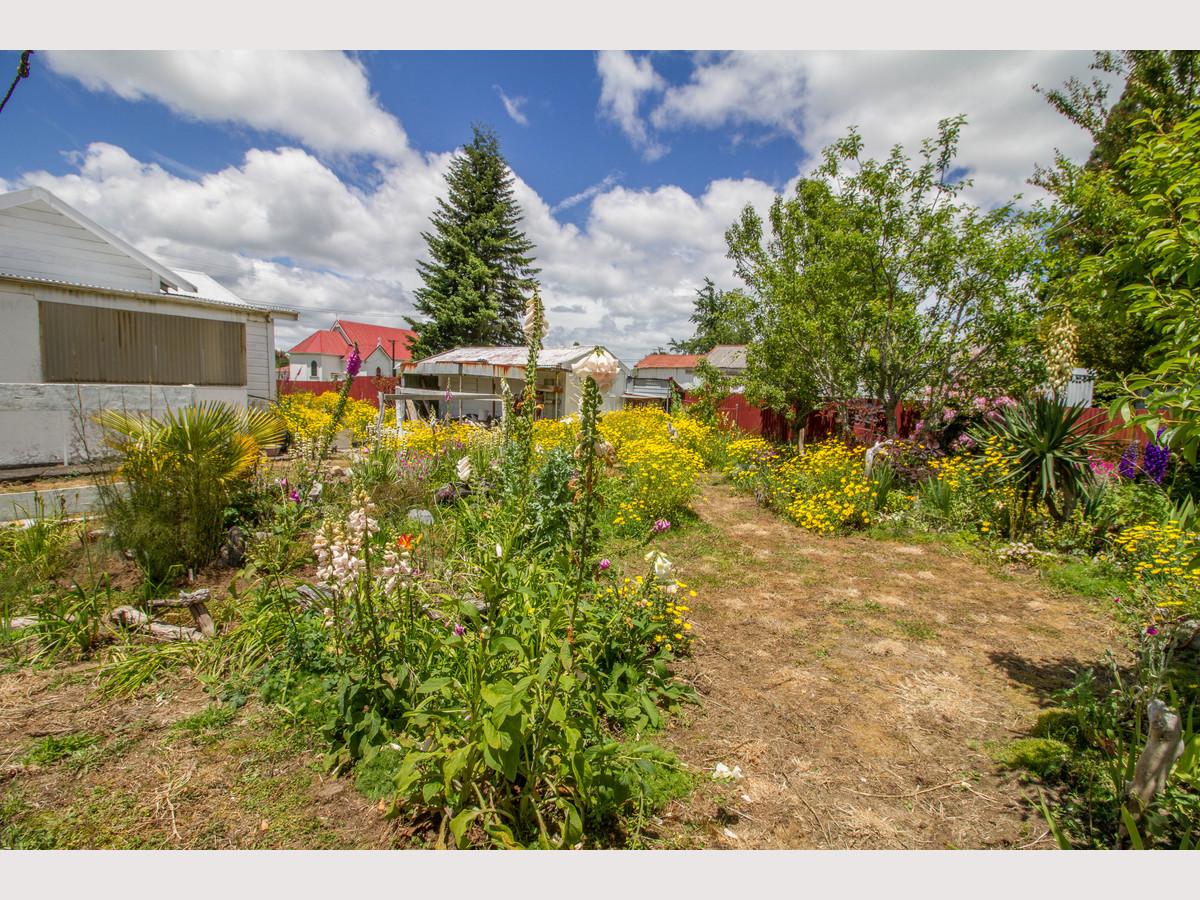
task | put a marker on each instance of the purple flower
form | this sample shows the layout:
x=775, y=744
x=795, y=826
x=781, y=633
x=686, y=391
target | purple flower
x=1151, y=630
x=1128, y=466
x=353, y=362
x=604, y=564
x=460, y=630
x=660, y=526
x=1154, y=459
x=294, y=495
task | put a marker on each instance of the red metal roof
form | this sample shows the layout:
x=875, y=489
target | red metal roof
x=669, y=361
x=371, y=336
x=323, y=342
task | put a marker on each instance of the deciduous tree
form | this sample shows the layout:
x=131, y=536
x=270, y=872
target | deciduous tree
x=878, y=279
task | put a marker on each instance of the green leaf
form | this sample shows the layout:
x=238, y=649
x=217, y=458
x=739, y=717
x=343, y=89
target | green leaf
x=1135, y=837
x=431, y=685
x=458, y=826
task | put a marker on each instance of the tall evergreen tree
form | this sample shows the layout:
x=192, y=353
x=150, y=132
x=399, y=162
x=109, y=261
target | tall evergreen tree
x=720, y=317
x=477, y=285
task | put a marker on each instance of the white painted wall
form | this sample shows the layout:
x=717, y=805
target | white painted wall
x=376, y=359
x=20, y=348
x=37, y=241
x=50, y=424
x=327, y=365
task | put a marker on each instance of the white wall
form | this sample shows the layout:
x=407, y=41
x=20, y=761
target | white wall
x=41, y=243
x=47, y=424
x=20, y=346
x=327, y=365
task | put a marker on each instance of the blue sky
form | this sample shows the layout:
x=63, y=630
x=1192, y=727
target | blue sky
x=304, y=179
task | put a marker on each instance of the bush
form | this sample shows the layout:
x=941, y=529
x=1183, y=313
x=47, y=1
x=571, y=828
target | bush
x=181, y=471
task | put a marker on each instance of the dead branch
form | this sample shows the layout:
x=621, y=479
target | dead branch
x=136, y=620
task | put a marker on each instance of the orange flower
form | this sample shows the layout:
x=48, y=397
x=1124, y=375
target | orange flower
x=405, y=542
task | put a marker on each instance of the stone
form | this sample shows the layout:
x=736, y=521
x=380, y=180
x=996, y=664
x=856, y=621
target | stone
x=233, y=551
x=424, y=516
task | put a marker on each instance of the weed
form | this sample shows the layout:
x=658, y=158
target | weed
x=52, y=749
x=916, y=630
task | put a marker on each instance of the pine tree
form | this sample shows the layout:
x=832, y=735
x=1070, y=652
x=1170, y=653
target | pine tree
x=480, y=278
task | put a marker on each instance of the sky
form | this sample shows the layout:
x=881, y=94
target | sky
x=304, y=178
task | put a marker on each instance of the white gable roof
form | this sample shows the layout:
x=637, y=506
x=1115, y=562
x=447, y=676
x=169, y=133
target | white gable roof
x=42, y=253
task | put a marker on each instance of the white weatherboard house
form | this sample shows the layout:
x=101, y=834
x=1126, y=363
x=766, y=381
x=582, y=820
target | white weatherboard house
x=88, y=322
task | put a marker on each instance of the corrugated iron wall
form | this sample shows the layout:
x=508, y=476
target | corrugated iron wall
x=98, y=345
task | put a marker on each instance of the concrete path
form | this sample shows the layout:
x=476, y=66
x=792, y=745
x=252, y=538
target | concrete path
x=78, y=500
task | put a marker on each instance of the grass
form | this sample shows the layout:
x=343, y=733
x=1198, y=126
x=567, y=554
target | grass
x=916, y=630
x=52, y=749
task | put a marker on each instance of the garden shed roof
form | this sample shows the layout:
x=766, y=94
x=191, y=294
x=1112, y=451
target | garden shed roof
x=508, y=362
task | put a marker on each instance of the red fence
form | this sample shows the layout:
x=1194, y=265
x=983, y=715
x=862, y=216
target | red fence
x=364, y=387
x=869, y=424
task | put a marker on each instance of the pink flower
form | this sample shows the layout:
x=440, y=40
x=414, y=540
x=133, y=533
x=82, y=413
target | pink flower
x=604, y=564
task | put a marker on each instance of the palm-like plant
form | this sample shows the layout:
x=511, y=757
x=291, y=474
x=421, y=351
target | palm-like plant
x=180, y=469
x=1046, y=450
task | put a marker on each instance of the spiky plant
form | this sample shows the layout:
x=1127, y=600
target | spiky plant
x=180, y=470
x=1046, y=450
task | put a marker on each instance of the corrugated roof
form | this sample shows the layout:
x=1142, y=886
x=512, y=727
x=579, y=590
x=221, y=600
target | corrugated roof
x=728, y=356
x=506, y=357
x=164, y=295
x=669, y=361
x=371, y=336
x=323, y=342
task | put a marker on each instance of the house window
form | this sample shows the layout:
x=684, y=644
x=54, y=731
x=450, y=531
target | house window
x=378, y=372
x=95, y=344
x=312, y=369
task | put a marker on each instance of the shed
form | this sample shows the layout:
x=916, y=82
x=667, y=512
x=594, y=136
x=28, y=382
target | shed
x=90, y=322
x=472, y=378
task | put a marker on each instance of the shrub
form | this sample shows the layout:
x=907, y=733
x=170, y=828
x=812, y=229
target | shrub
x=180, y=472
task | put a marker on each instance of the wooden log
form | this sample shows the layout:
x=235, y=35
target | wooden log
x=136, y=620
x=194, y=601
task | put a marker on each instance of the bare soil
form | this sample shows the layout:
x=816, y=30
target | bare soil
x=858, y=684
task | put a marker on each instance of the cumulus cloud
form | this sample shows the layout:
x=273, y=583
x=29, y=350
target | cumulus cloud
x=280, y=228
x=891, y=96
x=512, y=105
x=319, y=98
x=624, y=80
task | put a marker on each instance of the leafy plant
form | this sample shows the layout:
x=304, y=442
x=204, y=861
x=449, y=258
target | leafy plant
x=1046, y=452
x=180, y=470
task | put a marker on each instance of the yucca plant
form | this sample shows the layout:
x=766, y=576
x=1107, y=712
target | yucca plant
x=1046, y=451
x=180, y=470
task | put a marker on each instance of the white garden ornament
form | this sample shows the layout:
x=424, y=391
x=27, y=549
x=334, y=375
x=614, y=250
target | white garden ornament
x=600, y=365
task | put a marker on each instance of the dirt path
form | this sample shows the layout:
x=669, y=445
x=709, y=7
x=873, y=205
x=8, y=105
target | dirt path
x=859, y=684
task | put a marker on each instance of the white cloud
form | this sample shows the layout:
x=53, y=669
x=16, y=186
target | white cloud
x=588, y=193
x=320, y=98
x=623, y=82
x=512, y=105
x=891, y=96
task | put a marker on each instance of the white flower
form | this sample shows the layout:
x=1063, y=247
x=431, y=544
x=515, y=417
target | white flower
x=723, y=773
x=464, y=469
x=600, y=365
x=499, y=552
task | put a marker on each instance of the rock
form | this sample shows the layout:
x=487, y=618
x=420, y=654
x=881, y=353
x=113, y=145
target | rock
x=452, y=492
x=424, y=516
x=1187, y=636
x=233, y=551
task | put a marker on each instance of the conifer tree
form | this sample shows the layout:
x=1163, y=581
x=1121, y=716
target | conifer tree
x=479, y=280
